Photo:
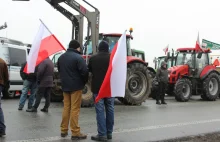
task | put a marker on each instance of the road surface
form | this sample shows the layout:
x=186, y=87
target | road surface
x=148, y=122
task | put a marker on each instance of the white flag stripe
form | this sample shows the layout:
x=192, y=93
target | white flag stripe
x=119, y=69
x=33, y=55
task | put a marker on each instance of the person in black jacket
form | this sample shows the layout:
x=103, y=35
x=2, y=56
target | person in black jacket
x=98, y=66
x=74, y=75
x=29, y=83
x=162, y=78
x=45, y=83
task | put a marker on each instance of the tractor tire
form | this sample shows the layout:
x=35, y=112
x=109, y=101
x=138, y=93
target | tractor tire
x=87, y=95
x=56, y=95
x=138, y=84
x=211, y=87
x=183, y=90
x=123, y=101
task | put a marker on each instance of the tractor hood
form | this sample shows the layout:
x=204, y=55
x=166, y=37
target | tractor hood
x=176, y=71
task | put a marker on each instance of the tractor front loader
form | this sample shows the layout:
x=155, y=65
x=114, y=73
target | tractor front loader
x=138, y=84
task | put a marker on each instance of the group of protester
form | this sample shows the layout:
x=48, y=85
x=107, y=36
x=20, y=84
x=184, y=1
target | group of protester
x=74, y=74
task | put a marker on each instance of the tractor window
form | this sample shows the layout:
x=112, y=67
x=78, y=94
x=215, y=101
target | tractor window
x=203, y=61
x=185, y=58
x=56, y=57
x=169, y=63
x=112, y=40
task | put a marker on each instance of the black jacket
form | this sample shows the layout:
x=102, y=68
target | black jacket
x=162, y=74
x=73, y=71
x=30, y=77
x=98, y=66
x=45, y=72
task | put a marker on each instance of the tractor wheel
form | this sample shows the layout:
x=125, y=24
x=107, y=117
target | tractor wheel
x=124, y=101
x=87, y=95
x=151, y=74
x=211, y=87
x=56, y=95
x=183, y=90
x=138, y=84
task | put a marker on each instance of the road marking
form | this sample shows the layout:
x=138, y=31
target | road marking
x=127, y=130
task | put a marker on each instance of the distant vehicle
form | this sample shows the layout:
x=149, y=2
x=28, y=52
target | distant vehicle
x=15, y=54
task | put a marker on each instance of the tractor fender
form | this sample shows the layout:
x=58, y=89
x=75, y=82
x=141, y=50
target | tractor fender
x=207, y=70
x=132, y=59
x=151, y=70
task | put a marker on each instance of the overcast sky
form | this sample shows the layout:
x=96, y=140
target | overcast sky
x=156, y=23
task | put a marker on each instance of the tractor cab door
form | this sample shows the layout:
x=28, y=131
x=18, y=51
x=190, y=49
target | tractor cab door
x=202, y=60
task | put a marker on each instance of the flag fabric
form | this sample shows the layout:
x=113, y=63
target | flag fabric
x=44, y=45
x=115, y=78
x=198, y=46
x=166, y=49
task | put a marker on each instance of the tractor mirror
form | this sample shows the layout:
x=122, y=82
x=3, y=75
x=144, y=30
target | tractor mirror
x=199, y=55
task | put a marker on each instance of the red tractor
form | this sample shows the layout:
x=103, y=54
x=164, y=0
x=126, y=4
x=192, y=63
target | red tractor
x=193, y=74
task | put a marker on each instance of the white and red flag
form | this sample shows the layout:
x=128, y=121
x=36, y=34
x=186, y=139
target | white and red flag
x=198, y=47
x=115, y=78
x=166, y=49
x=44, y=45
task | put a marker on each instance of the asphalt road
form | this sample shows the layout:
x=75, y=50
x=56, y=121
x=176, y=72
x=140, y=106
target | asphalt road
x=148, y=122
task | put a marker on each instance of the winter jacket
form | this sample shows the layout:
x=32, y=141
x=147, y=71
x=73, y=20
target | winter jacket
x=72, y=70
x=30, y=77
x=162, y=73
x=4, y=76
x=98, y=66
x=45, y=72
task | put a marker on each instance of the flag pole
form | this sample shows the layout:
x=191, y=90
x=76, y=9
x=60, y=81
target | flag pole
x=45, y=26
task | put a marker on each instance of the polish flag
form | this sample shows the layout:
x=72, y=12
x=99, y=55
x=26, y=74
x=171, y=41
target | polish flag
x=166, y=49
x=198, y=46
x=44, y=45
x=115, y=78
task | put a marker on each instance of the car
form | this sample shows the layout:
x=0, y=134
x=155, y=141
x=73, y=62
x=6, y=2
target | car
x=15, y=54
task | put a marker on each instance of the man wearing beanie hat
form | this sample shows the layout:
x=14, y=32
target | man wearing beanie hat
x=74, y=75
x=98, y=66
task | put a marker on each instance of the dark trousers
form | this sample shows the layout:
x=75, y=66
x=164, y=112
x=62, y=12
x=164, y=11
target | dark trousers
x=43, y=91
x=161, y=92
x=2, y=120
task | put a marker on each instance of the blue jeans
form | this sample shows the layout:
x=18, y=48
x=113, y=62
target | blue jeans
x=2, y=120
x=105, y=125
x=28, y=85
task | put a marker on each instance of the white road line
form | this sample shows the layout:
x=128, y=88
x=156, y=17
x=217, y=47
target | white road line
x=127, y=130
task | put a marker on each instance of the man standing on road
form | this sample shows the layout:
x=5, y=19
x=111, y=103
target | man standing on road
x=98, y=66
x=45, y=83
x=74, y=75
x=4, y=78
x=162, y=77
x=29, y=82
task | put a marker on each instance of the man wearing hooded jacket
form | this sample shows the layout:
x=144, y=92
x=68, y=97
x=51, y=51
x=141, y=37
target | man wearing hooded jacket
x=162, y=78
x=98, y=66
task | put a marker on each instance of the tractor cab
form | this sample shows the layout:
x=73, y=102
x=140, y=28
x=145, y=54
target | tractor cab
x=189, y=62
x=138, y=53
x=112, y=39
x=170, y=59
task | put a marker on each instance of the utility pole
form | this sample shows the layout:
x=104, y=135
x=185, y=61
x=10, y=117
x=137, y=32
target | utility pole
x=3, y=26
